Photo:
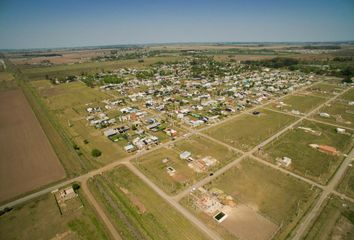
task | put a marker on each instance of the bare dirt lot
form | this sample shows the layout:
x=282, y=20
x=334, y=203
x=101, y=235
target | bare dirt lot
x=245, y=223
x=27, y=159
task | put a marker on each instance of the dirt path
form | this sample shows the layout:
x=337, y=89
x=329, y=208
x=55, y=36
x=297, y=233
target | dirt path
x=100, y=211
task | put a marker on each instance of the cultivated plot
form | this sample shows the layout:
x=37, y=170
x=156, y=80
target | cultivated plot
x=263, y=200
x=346, y=185
x=36, y=164
x=137, y=211
x=42, y=218
x=348, y=96
x=248, y=130
x=310, y=149
x=183, y=163
x=336, y=221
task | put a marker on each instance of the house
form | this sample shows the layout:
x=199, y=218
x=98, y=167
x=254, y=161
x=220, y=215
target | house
x=327, y=149
x=285, y=161
x=110, y=132
x=325, y=115
x=340, y=130
x=185, y=155
x=129, y=148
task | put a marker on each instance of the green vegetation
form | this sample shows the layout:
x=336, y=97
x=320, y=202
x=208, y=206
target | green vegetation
x=96, y=153
x=341, y=113
x=247, y=131
x=346, y=185
x=336, y=221
x=41, y=219
x=301, y=103
x=137, y=211
x=153, y=166
x=277, y=196
x=306, y=160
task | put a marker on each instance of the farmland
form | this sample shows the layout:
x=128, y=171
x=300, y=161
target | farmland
x=42, y=219
x=336, y=221
x=346, y=185
x=36, y=164
x=274, y=195
x=308, y=161
x=153, y=165
x=236, y=132
x=135, y=209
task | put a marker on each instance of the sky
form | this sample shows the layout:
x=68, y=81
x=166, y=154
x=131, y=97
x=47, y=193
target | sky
x=74, y=23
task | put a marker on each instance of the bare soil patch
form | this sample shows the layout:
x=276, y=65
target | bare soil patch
x=245, y=223
x=27, y=159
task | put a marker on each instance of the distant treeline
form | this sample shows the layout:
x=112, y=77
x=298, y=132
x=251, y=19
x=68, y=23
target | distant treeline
x=323, y=47
x=277, y=62
x=32, y=55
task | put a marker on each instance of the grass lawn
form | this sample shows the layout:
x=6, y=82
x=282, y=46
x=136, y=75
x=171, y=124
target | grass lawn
x=247, y=131
x=348, y=96
x=137, y=211
x=152, y=165
x=336, y=221
x=301, y=103
x=277, y=196
x=6, y=76
x=325, y=89
x=69, y=95
x=41, y=219
x=307, y=161
x=346, y=185
x=340, y=113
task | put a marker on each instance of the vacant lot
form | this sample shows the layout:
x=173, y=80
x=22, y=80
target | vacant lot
x=153, y=166
x=336, y=221
x=324, y=89
x=6, y=76
x=341, y=113
x=346, y=185
x=138, y=212
x=276, y=196
x=307, y=161
x=41, y=219
x=247, y=131
x=27, y=158
x=301, y=103
x=348, y=96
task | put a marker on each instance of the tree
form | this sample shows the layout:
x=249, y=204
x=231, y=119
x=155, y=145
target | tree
x=96, y=153
x=347, y=79
x=76, y=186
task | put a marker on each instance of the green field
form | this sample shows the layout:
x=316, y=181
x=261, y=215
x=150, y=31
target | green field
x=151, y=164
x=67, y=102
x=247, y=131
x=340, y=113
x=325, y=89
x=41, y=219
x=348, y=96
x=6, y=76
x=336, y=221
x=91, y=67
x=307, y=161
x=346, y=185
x=277, y=196
x=301, y=103
x=138, y=212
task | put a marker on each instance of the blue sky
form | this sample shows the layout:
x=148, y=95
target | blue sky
x=65, y=23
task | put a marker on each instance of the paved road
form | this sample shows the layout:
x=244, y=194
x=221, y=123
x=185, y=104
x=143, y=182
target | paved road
x=100, y=211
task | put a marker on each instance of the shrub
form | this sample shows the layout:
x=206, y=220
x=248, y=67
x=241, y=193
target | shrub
x=96, y=153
